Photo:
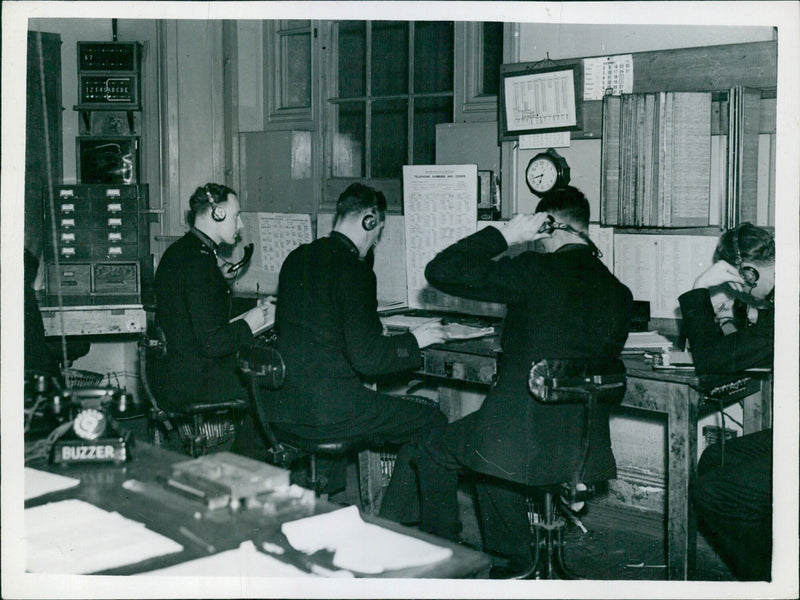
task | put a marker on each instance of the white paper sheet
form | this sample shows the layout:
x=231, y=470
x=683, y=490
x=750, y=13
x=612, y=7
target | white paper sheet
x=659, y=268
x=407, y=322
x=39, y=483
x=244, y=561
x=441, y=205
x=359, y=546
x=555, y=139
x=76, y=537
x=613, y=73
x=274, y=235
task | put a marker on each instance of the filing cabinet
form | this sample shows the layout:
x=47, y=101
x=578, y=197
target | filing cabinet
x=100, y=235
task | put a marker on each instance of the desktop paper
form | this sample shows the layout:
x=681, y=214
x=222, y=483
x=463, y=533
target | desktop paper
x=360, y=546
x=76, y=537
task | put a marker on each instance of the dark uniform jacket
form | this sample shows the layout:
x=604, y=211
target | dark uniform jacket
x=714, y=352
x=194, y=310
x=330, y=336
x=564, y=304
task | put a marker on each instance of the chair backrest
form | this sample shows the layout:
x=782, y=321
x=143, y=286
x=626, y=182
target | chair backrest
x=571, y=381
x=596, y=384
x=263, y=367
x=201, y=426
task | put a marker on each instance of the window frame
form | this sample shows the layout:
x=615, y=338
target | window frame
x=470, y=103
x=367, y=100
x=276, y=74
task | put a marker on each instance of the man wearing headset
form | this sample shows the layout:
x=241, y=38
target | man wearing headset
x=194, y=308
x=733, y=489
x=332, y=341
x=562, y=302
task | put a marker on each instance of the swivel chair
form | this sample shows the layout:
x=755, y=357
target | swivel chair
x=566, y=382
x=263, y=368
x=201, y=427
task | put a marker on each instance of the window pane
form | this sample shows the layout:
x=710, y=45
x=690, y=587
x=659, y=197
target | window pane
x=433, y=57
x=429, y=112
x=348, y=141
x=389, y=58
x=352, y=59
x=492, y=57
x=389, y=137
x=297, y=83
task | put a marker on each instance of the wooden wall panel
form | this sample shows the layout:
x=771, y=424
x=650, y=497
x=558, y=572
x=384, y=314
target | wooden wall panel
x=42, y=84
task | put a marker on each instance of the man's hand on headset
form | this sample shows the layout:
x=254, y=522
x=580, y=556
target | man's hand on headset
x=721, y=272
x=524, y=228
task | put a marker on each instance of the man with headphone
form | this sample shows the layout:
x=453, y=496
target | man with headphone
x=194, y=308
x=332, y=342
x=732, y=492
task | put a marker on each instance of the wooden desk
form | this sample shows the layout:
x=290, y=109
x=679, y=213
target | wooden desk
x=677, y=395
x=671, y=394
x=106, y=319
x=223, y=529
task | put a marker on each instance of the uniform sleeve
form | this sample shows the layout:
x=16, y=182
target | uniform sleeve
x=714, y=352
x=207, y=301
x=466, y=269
x=367, y=349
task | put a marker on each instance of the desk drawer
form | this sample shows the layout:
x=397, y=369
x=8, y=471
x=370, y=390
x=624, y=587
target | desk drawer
x=115, y=206
x=113, y=193
x=116, y=278
x=71, y=221
x=108, y=220
x=459, y=366
x=69, y=279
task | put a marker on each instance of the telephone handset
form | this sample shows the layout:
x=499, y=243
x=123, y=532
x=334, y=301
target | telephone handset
x=237, y=266
x=548, y=226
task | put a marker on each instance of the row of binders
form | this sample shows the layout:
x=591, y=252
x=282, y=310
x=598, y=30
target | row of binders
x=656, y=156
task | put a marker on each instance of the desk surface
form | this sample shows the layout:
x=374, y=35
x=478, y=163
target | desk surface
x=223, y=529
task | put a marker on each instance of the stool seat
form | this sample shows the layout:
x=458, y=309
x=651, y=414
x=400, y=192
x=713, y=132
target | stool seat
x=203, y=408
x=306, y=445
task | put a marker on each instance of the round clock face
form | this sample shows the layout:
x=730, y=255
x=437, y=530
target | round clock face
x=541, y=175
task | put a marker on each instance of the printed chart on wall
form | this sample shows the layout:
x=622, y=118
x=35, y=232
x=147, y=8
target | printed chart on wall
x=275, y=235
x=659, y=268
x=441, y=207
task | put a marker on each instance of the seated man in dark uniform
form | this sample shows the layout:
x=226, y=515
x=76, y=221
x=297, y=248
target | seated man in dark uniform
x=562, y=303
x=194, y=310
x=39, y=356
x=733, y=489
x=332, y=341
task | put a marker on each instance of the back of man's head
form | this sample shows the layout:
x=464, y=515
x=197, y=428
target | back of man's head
x=567, y=205
x=358, y=198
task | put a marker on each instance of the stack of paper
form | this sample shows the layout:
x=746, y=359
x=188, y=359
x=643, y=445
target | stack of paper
x=406, y=322
x=646, y=341
x=457, y=331
x=38, y=483
x=358, y=546
x=77, y=537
